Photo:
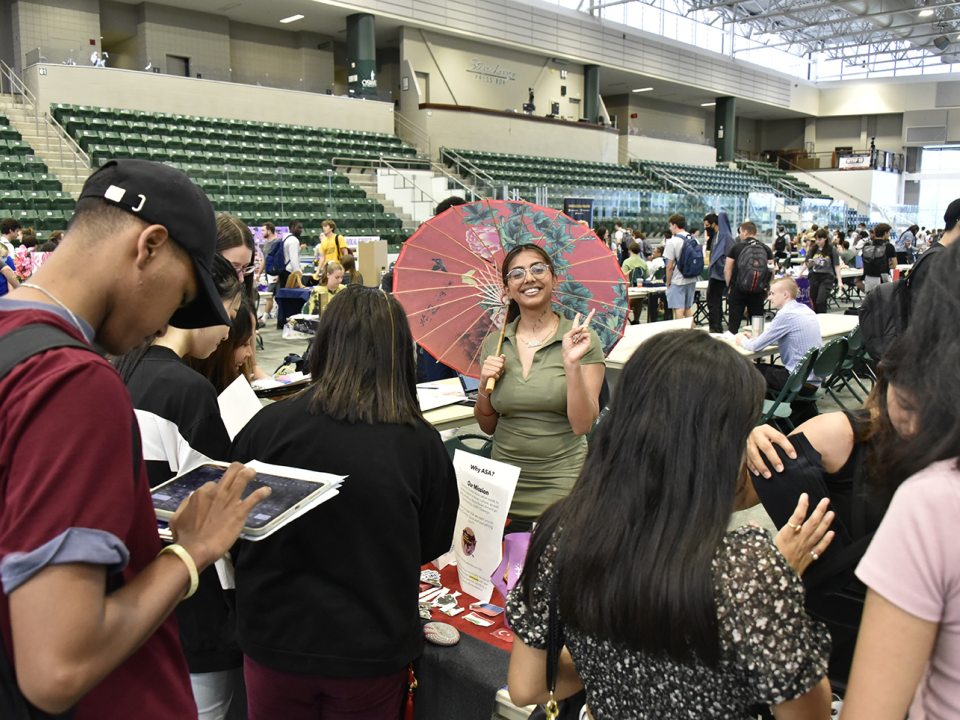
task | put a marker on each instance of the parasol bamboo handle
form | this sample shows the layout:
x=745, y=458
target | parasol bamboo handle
x=491, y=382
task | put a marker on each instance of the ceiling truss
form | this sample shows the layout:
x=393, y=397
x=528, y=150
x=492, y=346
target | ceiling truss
x=858, y=32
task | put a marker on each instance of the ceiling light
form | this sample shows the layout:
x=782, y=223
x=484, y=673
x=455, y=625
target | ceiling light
x=709, y=104
x=292, y=18
x=926, y=13
x=648, y=89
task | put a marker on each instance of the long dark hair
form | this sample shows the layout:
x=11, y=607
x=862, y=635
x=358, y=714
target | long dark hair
x=827, y=245
x=640, y=529
x=513, y=310
x=228, y=287
x=922, y=366
x=219, y=368
x=362, y=360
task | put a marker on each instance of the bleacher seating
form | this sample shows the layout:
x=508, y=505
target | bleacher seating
x=793, y=188
x=256, y=170
x=27, y=191
x=527, y=172
x=719, y=180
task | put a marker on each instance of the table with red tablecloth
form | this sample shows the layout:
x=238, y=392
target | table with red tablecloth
x=461, y=681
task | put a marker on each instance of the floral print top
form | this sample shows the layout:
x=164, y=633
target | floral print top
x=770, y=649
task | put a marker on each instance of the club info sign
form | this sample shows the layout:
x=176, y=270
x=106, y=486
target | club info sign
x=579, y=209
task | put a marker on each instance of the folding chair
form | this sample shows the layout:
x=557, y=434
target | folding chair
x=778, y=410
x=827, y=367
x=857, y=359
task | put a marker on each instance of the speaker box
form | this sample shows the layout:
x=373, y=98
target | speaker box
x=941, y=43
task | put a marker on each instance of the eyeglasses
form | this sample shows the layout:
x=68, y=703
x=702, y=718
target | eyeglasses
x=519, y=274
x=242, y=270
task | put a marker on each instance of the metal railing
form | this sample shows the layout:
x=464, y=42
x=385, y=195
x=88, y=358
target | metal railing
x=471, y=193
x=408, y=132
x=793, y=167
x=479, y=174
x=664, y=178
x=70, y=154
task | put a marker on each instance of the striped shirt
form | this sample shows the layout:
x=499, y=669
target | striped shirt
x=794, y=329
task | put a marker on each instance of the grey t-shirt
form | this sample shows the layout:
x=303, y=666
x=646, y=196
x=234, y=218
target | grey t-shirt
x=672, y=249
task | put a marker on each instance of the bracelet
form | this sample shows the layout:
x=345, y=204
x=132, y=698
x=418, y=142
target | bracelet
x=181, y=552
x=483, y=395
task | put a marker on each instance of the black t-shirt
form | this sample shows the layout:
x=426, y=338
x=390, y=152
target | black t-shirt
x=875, y=263
x=181, y=407
x=823, y=263
x=335, y=592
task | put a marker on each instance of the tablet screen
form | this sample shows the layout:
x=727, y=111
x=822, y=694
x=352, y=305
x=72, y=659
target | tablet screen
x=286, y=493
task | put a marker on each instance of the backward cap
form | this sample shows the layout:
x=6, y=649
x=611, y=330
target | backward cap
x=162, y=195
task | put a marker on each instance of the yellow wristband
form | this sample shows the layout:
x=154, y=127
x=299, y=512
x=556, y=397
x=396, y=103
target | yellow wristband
x=181, y=552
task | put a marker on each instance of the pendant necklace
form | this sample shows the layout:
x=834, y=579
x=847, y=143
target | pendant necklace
x=535, y=343
x=53, y=297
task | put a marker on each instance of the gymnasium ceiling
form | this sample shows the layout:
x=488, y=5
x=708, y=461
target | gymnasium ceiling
x=848, y=30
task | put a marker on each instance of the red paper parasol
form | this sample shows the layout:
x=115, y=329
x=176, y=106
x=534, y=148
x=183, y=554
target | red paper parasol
x=448, y=276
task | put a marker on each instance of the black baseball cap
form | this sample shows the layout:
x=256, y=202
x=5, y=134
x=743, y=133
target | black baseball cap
x=162, y=195
x=952, y=215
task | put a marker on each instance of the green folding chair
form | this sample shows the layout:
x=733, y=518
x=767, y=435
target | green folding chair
x=779, y=410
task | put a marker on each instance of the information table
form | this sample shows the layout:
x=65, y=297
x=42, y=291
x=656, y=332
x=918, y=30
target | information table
x=462, y=681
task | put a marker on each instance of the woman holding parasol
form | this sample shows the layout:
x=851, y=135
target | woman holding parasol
x=548, y=376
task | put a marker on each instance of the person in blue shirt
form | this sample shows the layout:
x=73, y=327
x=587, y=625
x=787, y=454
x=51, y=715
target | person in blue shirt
x=794, y=329
x=8, y=272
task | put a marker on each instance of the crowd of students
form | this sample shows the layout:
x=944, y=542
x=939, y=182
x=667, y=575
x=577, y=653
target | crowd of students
x=664, y=612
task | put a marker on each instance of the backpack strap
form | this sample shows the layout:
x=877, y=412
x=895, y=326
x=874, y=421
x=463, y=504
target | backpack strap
x=905, y=288
x=15, y=347
x=30, y=340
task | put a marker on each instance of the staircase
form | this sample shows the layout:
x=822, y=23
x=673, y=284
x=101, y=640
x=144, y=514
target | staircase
x=366, y=180
x=50, y=142
x=62, y=160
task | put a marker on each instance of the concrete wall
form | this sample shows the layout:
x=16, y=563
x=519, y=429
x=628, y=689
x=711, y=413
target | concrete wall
x=660, y=119
x=858, y=188
x=208, y=98
x=476, y=131
x=275, y=58
x=633, y=147
x=464, y=72
x=59, y=28
x=203, y=38
x=782, y=134
x=856, y=130
x=6, y=32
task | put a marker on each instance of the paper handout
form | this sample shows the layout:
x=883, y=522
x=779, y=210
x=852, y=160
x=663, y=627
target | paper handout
x=486, y=491
x=238, y=404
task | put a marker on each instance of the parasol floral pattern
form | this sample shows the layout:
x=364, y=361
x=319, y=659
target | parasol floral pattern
x=449, y=282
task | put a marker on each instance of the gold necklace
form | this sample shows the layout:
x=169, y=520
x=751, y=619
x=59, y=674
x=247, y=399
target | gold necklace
x=537, y=343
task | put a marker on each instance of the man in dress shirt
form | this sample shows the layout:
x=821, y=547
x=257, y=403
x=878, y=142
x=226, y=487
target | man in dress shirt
x=795, y=329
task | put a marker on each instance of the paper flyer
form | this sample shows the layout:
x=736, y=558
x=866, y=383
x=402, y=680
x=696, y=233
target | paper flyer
x=486, y=491
x=238, y=404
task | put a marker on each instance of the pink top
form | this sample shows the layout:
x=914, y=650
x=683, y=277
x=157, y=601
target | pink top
x=914, y=563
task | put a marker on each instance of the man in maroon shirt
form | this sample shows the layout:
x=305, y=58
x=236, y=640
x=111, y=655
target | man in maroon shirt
x=87, y=594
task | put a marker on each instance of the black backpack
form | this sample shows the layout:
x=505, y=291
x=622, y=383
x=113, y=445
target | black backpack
x=780, y=244
x=17, y=346
x=753, y=274
x=874, y=259
x=886, y=310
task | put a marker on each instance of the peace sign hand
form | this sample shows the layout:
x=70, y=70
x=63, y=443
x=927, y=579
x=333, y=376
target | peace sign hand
x=576, y=341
